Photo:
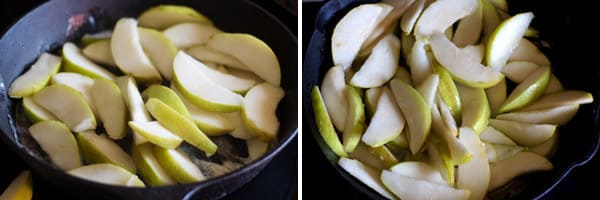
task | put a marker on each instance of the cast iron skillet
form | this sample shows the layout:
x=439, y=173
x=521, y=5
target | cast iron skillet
x=559, y=26
x=47, y=27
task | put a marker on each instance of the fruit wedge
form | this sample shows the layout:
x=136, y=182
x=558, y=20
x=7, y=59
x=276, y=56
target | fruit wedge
x=156, y=134
x=559, y=115
x=476, y=110
x=428, y=88
x=491, y=19
x=215, y=123
x=522, y=133
x=90, y=38
x=527, y=51
x=362, y=154
x=159, y=49
x=411, y=188
x=128, y=53
x=111, y=107
x=418, y=170
x=355, y=121
x=469, y=28
x=259, y=110
x=496, y=95
x=381, y=64
x=475, y=174
x=440, y=15
x=83, y=84
x=35, y=112
x=186, y=35
x=256, y=149
x=560, y=99
x=420, y=62
x=75, y=61
x=409, y=19
x=384, y=154
x=371, y=98
x=459, y=153
x=547, y=148
x=521, y=163
x=167, y=96
x=105, y=173
x=506, y=38
x=99, y=51
x=135, y=104
x=387, y=123
x=448, y=92
x=99, y=149
x=58, y=142
x=527, y=91
x=36, y=77
x=178, y=165
x=149, y=168
x=415, y=110
x=231, y=82
x=493, y=136
x=204, y=53
x=440, y=159
x=20, y=188
x=517, y=71
x=163, y=16
x=366, y=174
x=68, y=105
x=336, y=103
x=324, y=123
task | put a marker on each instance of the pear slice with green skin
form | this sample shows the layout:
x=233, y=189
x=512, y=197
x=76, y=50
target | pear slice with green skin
x=461, y=66
x=522, y=133
x=440, y=15
x=491, y=19
x=34, y=112
x=527, y=91
x=149, y=168
x=547, y=148
x=178, y=165
x=384, y=154
x=215, y=123
x=493, y=136
x=420, y=62
x=58, y=142
x=186, y=35
x=506, y=38
x=554, y=85
x=559, y=115
x=505, y=151
x=36, y=77
x=521, y=163
x=256, y=149
x=459, y=153
x=448, y=92
x=496, y=95
x=371, y=98
x=253, y=52
x=410, y=188
x=259, y=111
x=428, y=88
x=228, y=81
x=204, y=53
x=527, y=51
x=517, y=71
x=366, y=175
x=476, y=110
x=75, y=61
x=163, y=16
x=336, y=103
x=128, y=53
x=387, y=122
x=90, y=38
x=325, y=125
x=355, y=121
x=440, y=159
x=387, y=24
x=362, y=154
x=167, y=96
x=475, y=174
x=99, y=149
x=469, y=28
x=83, y=84
x=20, y=188
x=416, y=112
x=135, y=104
x=560, y=99
x=68, y=105
x=110, y=105
x=156, y=134
x=99, y=51
x=418, y=170
x=197, y=87
x=402, y=74
x=410, y=17
x=447, y=117
x=104, y=173
x=236, y=122
x=500, y=4
x=159, y=49
x=381, y=65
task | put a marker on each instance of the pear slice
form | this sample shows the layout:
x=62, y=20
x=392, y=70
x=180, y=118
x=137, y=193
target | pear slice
x=235, y=121
x=547, y=148
x=167, y=96
x=491, y=19
x=258, y=113
x=36, y=77
x=447, y=117
x=178, y=165
x=363, y=154
x=335, y=99
x=384, y=154
x=365, y=174
x=387, y=122
x=392, y=11
x=99, y=149
x=416, y=111
x=517, y=71
x=462, y=67
x=149, y=168
x=521, y=163
x=75, y=61
x=440, y=159
x=496, y=95
x=506, y=38
x=251, y=51
x=104, y=173
x=20, y=188
x=560, y=99
x=233, y=83
x=559, y=115
x=215, y=123
x=402, y=74
x=156, y=134
x=475, y=174
x=527, y=51
x=355, y=121
x=409, y=19
x=163, y=16
x=522, y=133
x=371, y=98
x=476, y=110
x=527, y=91
x=418, y=170
x=469, y=28
x=35, y=112
x=90, y=38
x=325, y=125
x=428, y=88
x=410, y=188
x=256, y=149
x=68, y=105
x=159, y=49
x=58, y=142
x=554, y=85
x=420, y=62
x=493, y=136
x=440, y=15
x=99, y=51
x=135, y=104
x=381, y=64
x=110, y=105
x=459, y=153
x=204, y=53
x=186, y=35
x=505, y=151
x=448, y=92
x=128, y=53
x=83, y=84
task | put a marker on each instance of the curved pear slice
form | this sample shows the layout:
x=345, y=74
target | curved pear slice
x=448, y=92
x=506, y=38
x=99, y=149
x=333, y=94
x=547, y=148
x=163, y=16
x=83, y=84
x=204, y=53
x=493, y=136
x=371, y=99
x=90, y=38
x=475, y=174
x=505, y=151
x=440, y=159
x=58, y=142
x=36, y=77
x=387, y=122
x=362, y=154
x=409, y=19
x=258, y=113
x=392, y=11
x=231, y=82
x=440, y=15
x=20, y=188
x=428, y=88
x=402, y=74
x=156, y=133
x=447, y=117
x=128, y=53
x=491, y=19
x=159, y=49
x=522, y=133
x=167, y=96
x=100, y=52
x=469, y=28
x=178, y=165
x=521, y=163
x=527, y=91
x=355, y=121
x=411, y=188
x=75, y=61
x=149, y=168
x=420, y=62
x=256, y=149
x=476, y=110
x=104, y=173
x=461, y=66
x=235, y=121
x=384, y=154
x=214, y=123
x=366, y=175
x=517, y=71
x=135, y=104
x=68, y=105
x=418, y=170
x=554, y=85
x=527, y=51
x=496, y=95
x=110, y=105
x=35, y=112
x=381, y=64
x=324, y=123
x=416, y=111
x=459, y=153
x=253, y=52
x=186, y=35
x=556, y=115
x=560, y=99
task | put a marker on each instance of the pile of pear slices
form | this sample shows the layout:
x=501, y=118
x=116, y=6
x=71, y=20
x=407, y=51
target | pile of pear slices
x=447, y=126
x=195, y=81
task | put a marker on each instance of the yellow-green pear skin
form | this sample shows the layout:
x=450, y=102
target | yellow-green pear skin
x=164, y=16
x=325, y=125
x=178, y=165
x=167, y=96
x=68, y=105
x=99, y=149
x=258, y=113
x=107, y=174
x=527, y=91
x=36, y=77
x=21, y=188
x=35, y=112
x=148, y=166
x=111, y=108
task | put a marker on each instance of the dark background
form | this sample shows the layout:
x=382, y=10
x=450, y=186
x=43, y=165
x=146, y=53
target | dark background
x=277, y=181
x=321, y=181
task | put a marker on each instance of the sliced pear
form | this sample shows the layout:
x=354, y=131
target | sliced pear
x=204, y=53
x=459, y=153
x=408, y=41
x=416, y=111
x=233, y=83
x=381, y=65
x=392, y=11
x=335, y=99
x=128, y=53
x=410, y=188
x=554, y=85
x=35, y=112
x=559, y=99
x=547, y=148
x=260, y=105
x=440, y=159
x=418, y=170
x=99, y=149
x=420, y=62
x=493, y=136
x=99, y=51
x=447, y=117
x=186, y=35
x=355, y=121
x=58, y=142
x=524, y=133
x=559, y=115
x=159, y=49
x=366, y=174
x=440, y=15
x=68, y=105
x=517, y=71
x=20, y=188
x=371, y=99
x=215, y=123
x=156, y=134
x=469, y=28
x=428, y=88
x=476, y=112
x=521, y=163
x=163, y=16
x=36, y=77
x=475, y=174
x=387, y=122
x=104, y=173
x=474, y=52
x=167, y=96
x=110, y=105
x=90, y=38
x=409, y=19
x=251, y=51
x=149, y=168
x=448, y=92
x=527, y=51
x=527, y=91
x=463, y=68
x=402, y=74
x=325, y=125
x=83, y=84
x=506, y=151
x=178, y=165
x=496, y=95
x=135, y=104
x=256, y=149
x=361, y=153
x=491, y=19
x=75, y=61
x=384, y=154
x=506, y=38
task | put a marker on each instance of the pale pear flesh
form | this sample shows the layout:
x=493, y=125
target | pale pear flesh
x=36, y=77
